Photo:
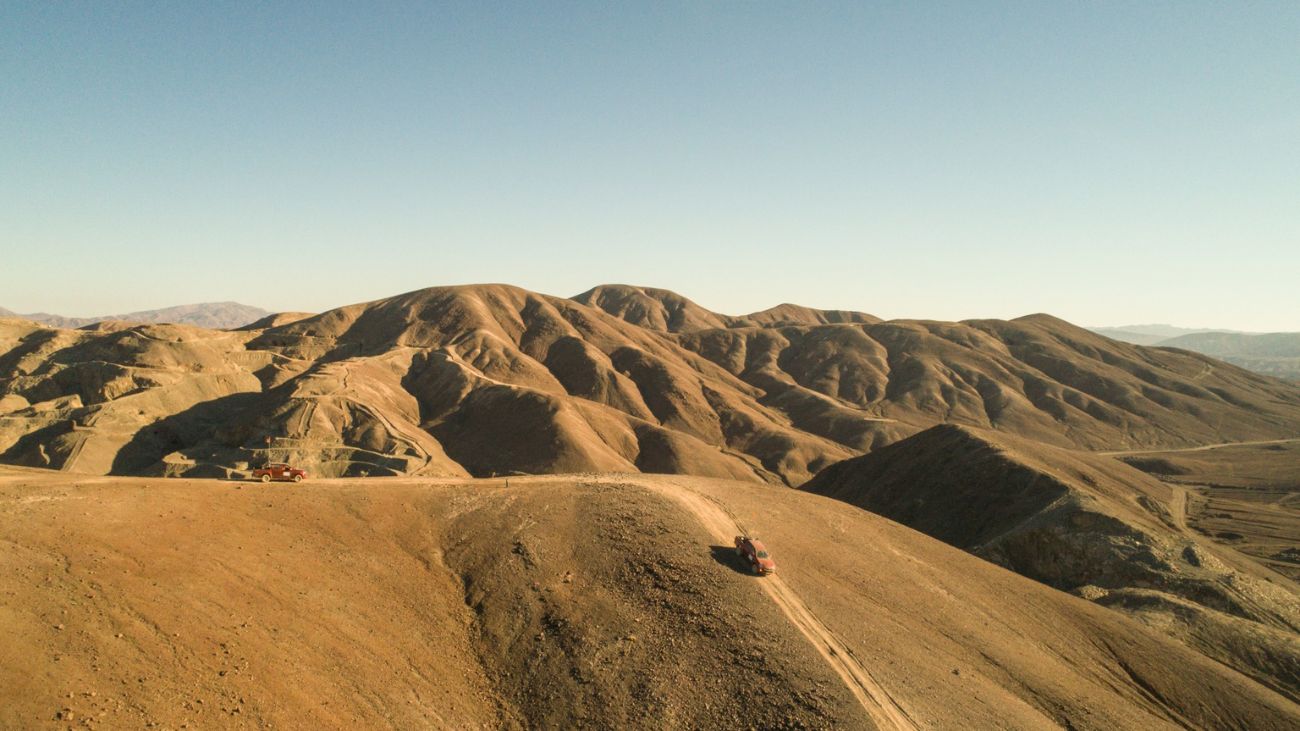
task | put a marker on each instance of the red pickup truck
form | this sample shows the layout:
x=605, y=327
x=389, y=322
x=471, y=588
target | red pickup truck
x=756, y=554
x=279, y=471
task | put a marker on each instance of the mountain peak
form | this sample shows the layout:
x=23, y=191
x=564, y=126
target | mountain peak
x=656, y=309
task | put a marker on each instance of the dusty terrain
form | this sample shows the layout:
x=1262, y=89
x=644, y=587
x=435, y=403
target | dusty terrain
x=491, y=379
x=1111, y=528
x=1273, y=464
x=1246, y=496
x=573, y=601
x=1091, y=525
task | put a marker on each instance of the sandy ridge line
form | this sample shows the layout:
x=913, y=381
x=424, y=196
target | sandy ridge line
x=883, y=710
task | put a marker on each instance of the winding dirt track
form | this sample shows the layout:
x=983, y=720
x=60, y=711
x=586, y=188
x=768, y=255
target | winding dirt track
x=883, y=710
x=1202, y=448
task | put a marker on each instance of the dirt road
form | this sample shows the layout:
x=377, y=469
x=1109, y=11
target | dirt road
x=1178, y=507
x=883, y=710
x=1202, y=448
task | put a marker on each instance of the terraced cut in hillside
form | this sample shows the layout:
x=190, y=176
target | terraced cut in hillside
x=554, y=602
x=483, y=380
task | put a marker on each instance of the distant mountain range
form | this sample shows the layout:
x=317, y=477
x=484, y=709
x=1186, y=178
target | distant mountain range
x=214, y=315
x=1273, y=354
x=1152, y=334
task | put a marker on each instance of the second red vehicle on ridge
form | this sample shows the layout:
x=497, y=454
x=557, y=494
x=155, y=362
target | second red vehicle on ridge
x=279, y=471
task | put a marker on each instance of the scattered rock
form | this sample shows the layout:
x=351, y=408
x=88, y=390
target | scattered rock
x=1091, y=593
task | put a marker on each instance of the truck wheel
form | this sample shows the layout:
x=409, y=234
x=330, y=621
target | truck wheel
x=738, y=551
x=297, y=478
x=266, y=478
x=757, y=569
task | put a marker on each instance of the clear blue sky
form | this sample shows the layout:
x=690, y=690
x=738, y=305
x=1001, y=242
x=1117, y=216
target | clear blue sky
x=1107, y=162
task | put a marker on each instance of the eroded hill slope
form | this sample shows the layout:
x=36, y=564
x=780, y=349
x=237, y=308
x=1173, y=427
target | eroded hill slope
x=1088, y=524
x=604, y=601
x=494, y=379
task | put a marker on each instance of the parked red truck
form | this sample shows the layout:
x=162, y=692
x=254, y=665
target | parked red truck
x=279, y=471
x=755, y=553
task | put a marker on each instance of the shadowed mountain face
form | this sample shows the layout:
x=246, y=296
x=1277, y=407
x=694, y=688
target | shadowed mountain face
x=665, y=311
x=1084, y=523
x=447, y=381
x=863, y=382
x=495, y=379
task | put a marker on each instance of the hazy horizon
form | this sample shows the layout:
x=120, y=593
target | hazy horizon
x=1118, y=326
x=1106, y=164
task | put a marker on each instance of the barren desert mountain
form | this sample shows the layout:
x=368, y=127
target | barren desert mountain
x=1273, y=354
x=867, y=383
x=609, y=601
x=1262, y=345
x=652, y=308
x=446, y=381
x=666, y=311
x=789, y=314
x=1150, y=334
x=493, y=379
x=215, y=315
x=1058, y=585
x=1088, y=524
x=275, y=319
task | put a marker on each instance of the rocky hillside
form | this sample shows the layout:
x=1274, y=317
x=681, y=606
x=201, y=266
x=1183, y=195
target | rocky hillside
x=493, y=379
x=665, y=311
x=555, y=602
x=1088, y=524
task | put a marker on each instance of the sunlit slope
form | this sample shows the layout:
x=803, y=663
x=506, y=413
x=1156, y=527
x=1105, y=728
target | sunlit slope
x=554, y=601
x=493, y=379
x=1088, y=524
